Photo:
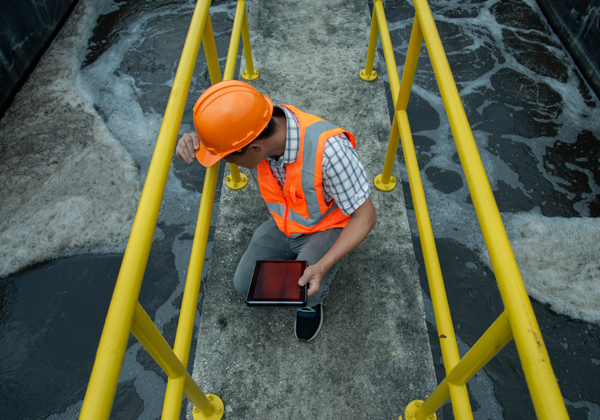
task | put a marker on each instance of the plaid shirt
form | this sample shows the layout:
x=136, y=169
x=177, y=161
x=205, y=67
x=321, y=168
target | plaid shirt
x=344, y=177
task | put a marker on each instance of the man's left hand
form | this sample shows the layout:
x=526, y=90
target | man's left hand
x=313, y=276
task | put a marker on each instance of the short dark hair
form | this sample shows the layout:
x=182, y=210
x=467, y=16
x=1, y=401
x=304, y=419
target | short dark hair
x=269, y=130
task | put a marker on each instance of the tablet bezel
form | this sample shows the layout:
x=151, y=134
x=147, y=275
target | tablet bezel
x=251, y=300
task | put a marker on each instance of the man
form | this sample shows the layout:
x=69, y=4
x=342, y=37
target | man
x=309, y=175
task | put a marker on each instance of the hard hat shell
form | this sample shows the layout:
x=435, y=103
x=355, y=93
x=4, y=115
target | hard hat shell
x=228, y=116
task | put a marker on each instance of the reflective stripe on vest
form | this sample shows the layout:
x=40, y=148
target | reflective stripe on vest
x=310, y=143
x=311, y=140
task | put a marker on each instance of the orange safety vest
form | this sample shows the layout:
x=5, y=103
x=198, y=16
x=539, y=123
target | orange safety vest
x=300, y=208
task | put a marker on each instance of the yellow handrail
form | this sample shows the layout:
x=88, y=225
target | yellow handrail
x=518, y=321
x=237, y=180
x=125, y=314
x=448, y=345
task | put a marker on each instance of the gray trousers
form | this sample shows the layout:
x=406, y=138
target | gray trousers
x=269, y=243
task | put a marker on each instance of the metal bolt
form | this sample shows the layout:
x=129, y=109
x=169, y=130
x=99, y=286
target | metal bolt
x=419, y=403
x=219, y=411
x=209, y=397
x=409, y=415
x=228, y=178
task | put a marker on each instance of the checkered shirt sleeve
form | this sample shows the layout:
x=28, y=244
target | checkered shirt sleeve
x=344, y=177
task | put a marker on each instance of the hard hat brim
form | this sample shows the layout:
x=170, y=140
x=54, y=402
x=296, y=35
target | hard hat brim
x=206, y=158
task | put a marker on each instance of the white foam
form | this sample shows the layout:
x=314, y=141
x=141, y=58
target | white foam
x=70, y=186
x=115, y=93
x=559, y=260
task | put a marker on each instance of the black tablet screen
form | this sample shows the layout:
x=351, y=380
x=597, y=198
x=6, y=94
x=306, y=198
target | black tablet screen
x=277, y=282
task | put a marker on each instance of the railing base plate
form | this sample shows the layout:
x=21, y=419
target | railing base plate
x=219, y=409
x=236, y=185
x=385, y=186
x=411, y=409
x=247, y=76
x=368, y=77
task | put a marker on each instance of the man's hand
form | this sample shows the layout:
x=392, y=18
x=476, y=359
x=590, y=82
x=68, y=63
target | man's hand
x=362, y=221
x=187, y=146
x=313, y=276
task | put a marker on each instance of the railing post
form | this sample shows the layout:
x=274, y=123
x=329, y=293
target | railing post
x=385, y=181
x=187, y=313
x=460, y=398
x=235, y=180
x=210, y=52
x=388, y=50
x=368, y=74
x=410, y=66
x=497, y=336
x=155, y=344
x=250, y=73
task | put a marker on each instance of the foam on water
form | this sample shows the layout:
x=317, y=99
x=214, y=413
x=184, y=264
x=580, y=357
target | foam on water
x=68, y=186
x=116, y=94
x=559, y=260
x=71, y=185
x=119, y=96
x=557, y=256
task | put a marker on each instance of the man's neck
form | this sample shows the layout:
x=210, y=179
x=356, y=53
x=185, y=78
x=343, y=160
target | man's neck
x=279, y=139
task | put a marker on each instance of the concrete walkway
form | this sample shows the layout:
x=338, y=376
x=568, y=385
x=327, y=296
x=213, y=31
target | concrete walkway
x=372, y=356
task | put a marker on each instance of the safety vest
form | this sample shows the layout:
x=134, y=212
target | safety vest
x=300, y=208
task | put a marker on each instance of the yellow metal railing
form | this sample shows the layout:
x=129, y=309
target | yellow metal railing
x=518, y=321
x=125, y=314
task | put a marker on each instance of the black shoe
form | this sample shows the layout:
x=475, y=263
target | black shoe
x=308, y=322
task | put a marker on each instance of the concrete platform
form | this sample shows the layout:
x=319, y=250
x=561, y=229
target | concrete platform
x=372, y=356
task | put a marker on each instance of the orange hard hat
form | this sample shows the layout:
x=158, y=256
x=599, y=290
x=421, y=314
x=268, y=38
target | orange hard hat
x=228, y=116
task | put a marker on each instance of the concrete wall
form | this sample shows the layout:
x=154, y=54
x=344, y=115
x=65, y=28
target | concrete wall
x=577, y=23
x=26, y=29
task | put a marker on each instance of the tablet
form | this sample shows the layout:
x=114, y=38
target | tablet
x=275, y=283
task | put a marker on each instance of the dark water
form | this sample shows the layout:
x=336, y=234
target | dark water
x=535, y=120
x=577, y=25
x=51, y=319
x=51, y=323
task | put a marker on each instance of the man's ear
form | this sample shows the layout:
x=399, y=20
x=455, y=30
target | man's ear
x=256, y=146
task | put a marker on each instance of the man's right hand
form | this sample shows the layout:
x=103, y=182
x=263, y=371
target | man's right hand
x=187, y=146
